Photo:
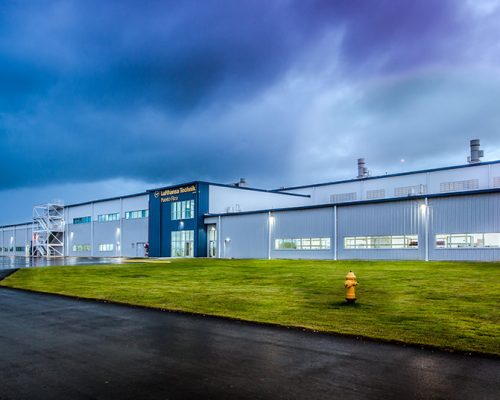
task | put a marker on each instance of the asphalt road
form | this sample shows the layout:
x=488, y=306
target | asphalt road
x=57, y=348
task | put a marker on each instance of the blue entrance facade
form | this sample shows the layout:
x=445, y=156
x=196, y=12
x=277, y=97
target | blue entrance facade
x=176, y=227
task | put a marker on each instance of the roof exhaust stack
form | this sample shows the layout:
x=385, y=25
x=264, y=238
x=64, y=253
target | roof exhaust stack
x=475, y=152
x=362, y=170
x=241, y=183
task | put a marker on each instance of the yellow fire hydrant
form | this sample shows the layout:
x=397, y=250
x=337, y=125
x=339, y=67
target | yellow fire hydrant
x=350, y=284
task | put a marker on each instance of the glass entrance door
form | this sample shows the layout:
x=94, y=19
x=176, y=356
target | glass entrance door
x=182, y=244
x=212, y=241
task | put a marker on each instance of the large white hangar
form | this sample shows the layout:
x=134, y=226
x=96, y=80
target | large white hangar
x=450, y=213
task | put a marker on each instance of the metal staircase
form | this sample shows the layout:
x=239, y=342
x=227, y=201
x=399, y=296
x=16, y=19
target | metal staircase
x=48, y=230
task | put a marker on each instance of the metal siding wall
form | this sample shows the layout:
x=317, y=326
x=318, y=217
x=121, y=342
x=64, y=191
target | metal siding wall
x=321, y=193
x=9, y=238
x=106, y=207
x=303, y=224
x=248, y=234
x=381, y=219
x=81, y=235
x=78, y=211
x=221, y=198
x=21, y=240
x=464, y=214
x=106, y=233
x=135, y=203
x=17, y=240
x=134, y=231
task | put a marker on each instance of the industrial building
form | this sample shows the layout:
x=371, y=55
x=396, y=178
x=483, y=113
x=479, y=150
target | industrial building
x=450, y=213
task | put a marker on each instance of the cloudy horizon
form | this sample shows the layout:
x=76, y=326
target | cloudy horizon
x=106, y=99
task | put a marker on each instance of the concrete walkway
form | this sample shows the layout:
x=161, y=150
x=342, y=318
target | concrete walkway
x=57, y=348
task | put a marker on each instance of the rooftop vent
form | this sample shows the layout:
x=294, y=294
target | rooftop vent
x=362, y=170
x=241, y=183
x=475, y=152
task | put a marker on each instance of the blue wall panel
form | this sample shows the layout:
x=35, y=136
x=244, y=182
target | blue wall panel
x=161, y=224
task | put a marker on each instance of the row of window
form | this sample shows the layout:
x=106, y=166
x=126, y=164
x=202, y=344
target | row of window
x=379, y=193
x=381, y=242
x=467, y=240
x=136, y=214
x=442, y=241
x=112, y=217
x=18, y=249
x=302, y=244
x=82, y=220
x=12, y=249
x=106, y=247
x=108, y=217
x=86, y=247
x=81, y=247
x=458, y=186
x=444, y=187
x=182, y=210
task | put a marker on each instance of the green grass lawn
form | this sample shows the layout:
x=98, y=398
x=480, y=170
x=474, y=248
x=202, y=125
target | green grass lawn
x=453, y=305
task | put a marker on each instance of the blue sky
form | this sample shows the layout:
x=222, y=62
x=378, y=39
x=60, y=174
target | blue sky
x=108, y=98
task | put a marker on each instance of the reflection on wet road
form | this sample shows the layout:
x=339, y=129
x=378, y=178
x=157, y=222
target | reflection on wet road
x=28, y=262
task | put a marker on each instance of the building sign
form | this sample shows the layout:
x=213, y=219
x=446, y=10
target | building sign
x=169, y=199
x=169, y=195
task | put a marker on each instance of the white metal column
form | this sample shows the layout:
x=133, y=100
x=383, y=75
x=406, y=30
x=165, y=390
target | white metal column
x=269, y=227
x=121, y=227
x=426, y=218
x=219, y=232
x=92, y=231
x=335, y=231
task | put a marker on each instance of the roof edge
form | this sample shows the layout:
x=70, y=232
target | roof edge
x=271, y=191
x=422, y=171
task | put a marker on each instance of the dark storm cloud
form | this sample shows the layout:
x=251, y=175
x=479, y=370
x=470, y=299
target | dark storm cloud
x=172, y=90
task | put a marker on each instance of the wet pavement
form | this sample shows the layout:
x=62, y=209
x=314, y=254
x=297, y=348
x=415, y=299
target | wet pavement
x=4, y=273
x=29, y=262
x=58, y=348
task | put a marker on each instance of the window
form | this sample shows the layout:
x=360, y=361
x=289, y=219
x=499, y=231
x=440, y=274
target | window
x=182, y=210
x=106, y=247
x=82, y=220
x=343, y=197
x=20, y=248
x=182, y=244
x=136, y=214
x=302, y=244
x=375, y=194
x=467, y=240
x=410, y=190
x=108, y=217
x=459, y=185
x=381, y=242
x=496, y=181
x=81, y=247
